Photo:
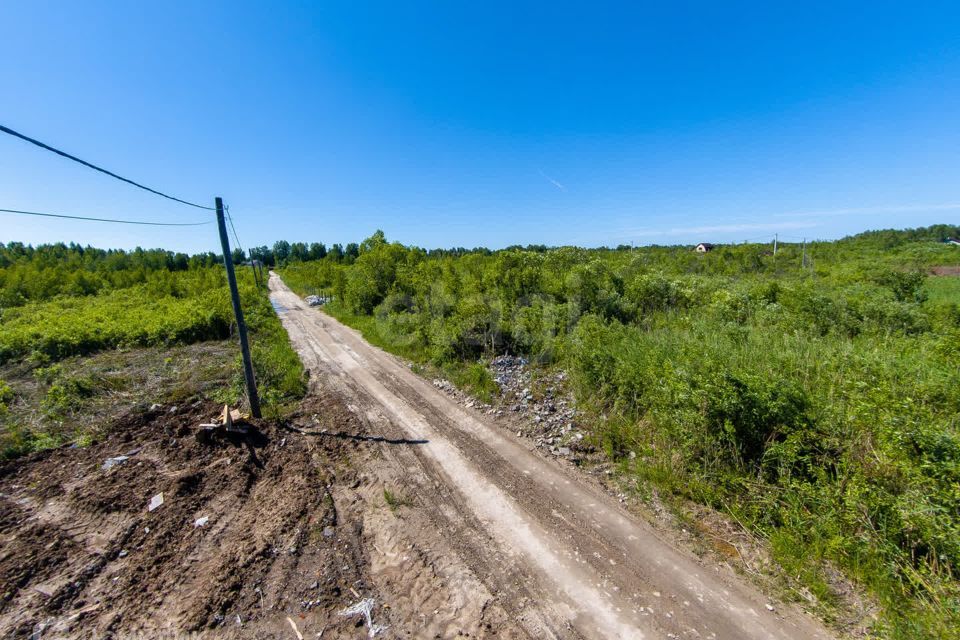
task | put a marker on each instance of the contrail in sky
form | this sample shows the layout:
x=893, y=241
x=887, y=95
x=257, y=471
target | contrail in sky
x=552, y=181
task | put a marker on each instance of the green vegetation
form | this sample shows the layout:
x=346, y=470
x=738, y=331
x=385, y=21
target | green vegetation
x=6, y=397
x=60, y=303
x=395, y=500
x=812, y=397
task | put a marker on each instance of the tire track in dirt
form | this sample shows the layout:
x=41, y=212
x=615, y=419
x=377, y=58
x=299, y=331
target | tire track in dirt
x=594, y=570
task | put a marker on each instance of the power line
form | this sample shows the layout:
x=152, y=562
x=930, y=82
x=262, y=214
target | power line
x=233, y=228
x=256, y=276
x=96, y=168
x=152, y=224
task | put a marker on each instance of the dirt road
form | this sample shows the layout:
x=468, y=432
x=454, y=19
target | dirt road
x=520, y=533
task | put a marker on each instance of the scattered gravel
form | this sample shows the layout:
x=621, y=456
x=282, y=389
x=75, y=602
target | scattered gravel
x=540, y=409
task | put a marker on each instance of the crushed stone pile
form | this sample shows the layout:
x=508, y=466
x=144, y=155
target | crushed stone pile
x=539, y=404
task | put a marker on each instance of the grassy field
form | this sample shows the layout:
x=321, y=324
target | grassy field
x=812, y=397
x=72, y=356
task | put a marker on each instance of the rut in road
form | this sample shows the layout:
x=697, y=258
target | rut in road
x=589, y=568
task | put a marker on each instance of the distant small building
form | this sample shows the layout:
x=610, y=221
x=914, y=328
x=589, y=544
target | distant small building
x=954, y=241
x=704, y=247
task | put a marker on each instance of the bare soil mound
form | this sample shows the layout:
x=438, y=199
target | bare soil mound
x=247, y=535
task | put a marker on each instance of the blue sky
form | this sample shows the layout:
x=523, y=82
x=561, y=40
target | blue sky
x=495, y=123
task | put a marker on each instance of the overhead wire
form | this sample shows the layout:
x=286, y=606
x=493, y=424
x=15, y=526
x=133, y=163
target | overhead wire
x=232, y=228
x=226, y=210
x=16, y=134
x=116, y=220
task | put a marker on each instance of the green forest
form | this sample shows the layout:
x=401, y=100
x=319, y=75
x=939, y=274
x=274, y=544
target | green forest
x=810, y=393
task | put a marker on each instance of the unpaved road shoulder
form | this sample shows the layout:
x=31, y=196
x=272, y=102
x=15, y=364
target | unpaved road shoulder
x=559, y=555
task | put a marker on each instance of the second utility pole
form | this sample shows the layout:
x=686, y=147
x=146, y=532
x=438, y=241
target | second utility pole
x=238, y=314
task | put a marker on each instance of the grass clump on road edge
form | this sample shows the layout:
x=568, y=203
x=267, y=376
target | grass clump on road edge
x=395, y=500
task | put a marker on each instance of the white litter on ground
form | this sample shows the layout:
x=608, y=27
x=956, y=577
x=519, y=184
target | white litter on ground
x=365, y=608
x=155, y=502
x=109, y=463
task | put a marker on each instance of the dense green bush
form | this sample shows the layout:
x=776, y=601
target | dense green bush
x=136, y=316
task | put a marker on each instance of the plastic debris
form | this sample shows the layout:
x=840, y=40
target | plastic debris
x=200, y=522
x=110, y=463
x=155, y=502
x=316, y=301
x=365, y=608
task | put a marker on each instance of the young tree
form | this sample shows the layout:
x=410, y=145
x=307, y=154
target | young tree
x=281, y=251
x=263, y=254
x=352, y=252
x=299, y=252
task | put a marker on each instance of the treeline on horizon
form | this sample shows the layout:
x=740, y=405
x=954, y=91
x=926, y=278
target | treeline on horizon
x=29, y=273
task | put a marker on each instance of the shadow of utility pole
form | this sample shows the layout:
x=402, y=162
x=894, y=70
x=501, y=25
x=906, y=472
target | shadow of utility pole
x=354, y=437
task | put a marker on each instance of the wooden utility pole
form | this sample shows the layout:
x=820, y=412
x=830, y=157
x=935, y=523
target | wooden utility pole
x=238, y=314
x=803, y=262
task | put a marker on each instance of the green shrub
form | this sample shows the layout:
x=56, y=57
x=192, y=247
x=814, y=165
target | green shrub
x=476, y=379
x=65, y=395
x=6, y=397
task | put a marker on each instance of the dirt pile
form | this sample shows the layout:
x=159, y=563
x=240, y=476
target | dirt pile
x=246, y=536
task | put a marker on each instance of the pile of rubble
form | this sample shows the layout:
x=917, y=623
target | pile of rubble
x=316, y=301
x=541, y=407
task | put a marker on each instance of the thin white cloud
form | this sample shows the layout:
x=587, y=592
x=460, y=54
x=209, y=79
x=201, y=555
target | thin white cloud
x=552, y=181
x=859, y=211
